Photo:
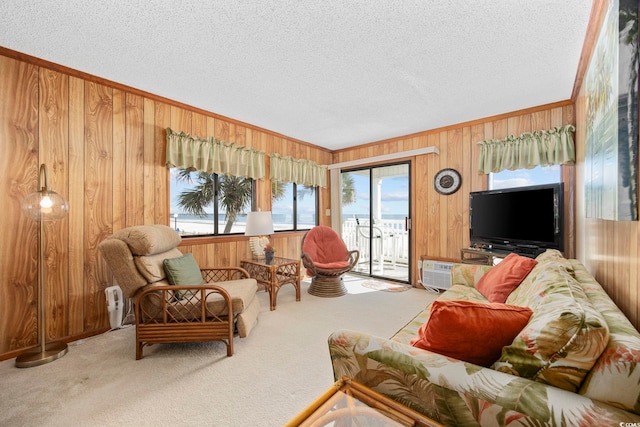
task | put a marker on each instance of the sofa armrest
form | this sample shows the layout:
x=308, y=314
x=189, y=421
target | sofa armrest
x=158, y=304
x=468, y=274
x=459, y=393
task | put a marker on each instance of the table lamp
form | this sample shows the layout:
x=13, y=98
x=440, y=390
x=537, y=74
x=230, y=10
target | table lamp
x=259, y=225
x=43, y=205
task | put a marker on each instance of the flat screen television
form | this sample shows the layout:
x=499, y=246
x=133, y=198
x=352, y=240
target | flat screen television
x=528, y=220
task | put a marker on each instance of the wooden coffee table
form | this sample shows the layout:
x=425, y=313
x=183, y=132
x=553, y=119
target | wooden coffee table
x=274, y=275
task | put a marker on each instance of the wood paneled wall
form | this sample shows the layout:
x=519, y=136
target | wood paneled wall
x=608, y=249
x=104, y=147
x=441, y=223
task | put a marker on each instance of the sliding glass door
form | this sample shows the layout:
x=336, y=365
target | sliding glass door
x=375, y=219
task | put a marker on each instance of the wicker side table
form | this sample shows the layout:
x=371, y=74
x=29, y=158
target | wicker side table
x=274, y=275
x=350, y=403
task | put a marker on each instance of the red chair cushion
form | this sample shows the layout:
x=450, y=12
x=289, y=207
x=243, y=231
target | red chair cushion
x=332, y=265
x=323, y=245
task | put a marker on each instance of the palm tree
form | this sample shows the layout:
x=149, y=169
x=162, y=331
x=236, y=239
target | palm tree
x=628, y=27
x=348, y=189
x=278, y=189
x=234, y=194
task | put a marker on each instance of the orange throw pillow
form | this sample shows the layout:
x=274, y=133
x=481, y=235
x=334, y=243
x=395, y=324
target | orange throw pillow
x=471, y=331
x=498, y=283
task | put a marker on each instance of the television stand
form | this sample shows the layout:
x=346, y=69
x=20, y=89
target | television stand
x=481, y=256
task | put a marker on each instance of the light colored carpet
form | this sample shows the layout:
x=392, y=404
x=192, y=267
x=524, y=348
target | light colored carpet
x=380, y=285
x=274, y=373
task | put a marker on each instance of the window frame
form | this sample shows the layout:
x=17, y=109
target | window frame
x=295, y=208
x=216, y=210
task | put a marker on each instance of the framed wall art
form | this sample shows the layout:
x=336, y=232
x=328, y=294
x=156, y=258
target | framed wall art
x=611, y=157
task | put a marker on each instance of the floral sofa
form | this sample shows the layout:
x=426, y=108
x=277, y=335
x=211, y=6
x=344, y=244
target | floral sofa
x=574, y=363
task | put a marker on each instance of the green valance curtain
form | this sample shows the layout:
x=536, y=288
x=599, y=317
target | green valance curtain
x=300, y=171
x=213, y=156
x=531, y=149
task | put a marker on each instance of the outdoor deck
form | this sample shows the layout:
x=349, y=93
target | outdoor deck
x=386, y=245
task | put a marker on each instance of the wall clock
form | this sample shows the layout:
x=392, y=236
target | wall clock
x=447, y=181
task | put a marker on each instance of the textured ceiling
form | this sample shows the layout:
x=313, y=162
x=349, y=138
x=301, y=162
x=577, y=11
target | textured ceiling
x=332, y=73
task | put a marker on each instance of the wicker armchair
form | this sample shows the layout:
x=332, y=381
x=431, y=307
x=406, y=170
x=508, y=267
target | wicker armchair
x=326, y=258
x=167, y=313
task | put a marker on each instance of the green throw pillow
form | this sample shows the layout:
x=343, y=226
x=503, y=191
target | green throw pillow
x=183, y=270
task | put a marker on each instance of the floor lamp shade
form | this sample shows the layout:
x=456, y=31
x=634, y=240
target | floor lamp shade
x=43, y=205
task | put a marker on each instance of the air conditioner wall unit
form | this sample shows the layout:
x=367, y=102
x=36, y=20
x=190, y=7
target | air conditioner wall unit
x=435, y=274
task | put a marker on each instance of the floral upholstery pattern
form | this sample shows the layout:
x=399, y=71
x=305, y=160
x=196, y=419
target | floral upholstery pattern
x=615, y=378
x=565, y=336
x=458, y=393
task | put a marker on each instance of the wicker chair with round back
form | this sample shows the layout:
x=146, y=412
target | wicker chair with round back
x=326, y=258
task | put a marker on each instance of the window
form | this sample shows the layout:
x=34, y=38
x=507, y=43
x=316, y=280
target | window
x=294, y=207
x=209, y=204
x=524, y=177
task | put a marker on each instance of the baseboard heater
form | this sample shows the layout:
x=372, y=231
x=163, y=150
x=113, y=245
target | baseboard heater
x=435, y=274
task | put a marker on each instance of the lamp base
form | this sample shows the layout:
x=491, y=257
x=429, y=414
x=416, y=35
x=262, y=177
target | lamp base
x=36, y=357
x=257, y=245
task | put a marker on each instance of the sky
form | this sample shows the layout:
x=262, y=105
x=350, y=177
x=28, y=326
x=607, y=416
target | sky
x=394, y=197
x=525, y=177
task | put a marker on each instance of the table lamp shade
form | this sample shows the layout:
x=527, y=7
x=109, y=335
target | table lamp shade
x=259, y=224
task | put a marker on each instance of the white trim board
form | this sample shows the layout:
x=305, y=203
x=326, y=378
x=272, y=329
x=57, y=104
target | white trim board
x=385, y=157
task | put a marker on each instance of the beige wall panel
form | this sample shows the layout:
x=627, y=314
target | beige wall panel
x=222, y=130
x=467, y=185
x=231, y=136
x=76, y=203
x=501, y=129
x=161, y=196
x=248, y=138
x=134, y=164
x=240, y=132
x=556, y=117
x=199, y=126
x=180, y=120
x=422, y=203
x=149, y=164
x=98, y=198
x=517, y=125
x=18, y=253
x=478, y=180
x=211, y=126
x=432, y=208
x=454, y=202
x=441, y=201
x=119, y=206
x=54, y=152
x=541, y=120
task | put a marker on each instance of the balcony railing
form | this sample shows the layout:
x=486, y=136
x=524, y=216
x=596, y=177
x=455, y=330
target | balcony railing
x=386, y=244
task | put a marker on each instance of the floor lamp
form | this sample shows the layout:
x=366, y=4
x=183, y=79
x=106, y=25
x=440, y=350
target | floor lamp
x=43, y=205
